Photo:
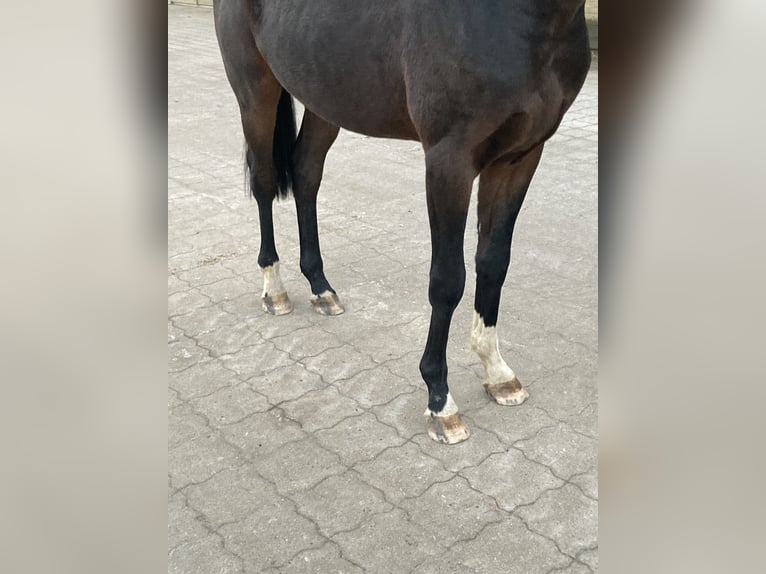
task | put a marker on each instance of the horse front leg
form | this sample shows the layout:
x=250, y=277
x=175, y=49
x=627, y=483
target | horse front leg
x=448, y=192
x=502, y=187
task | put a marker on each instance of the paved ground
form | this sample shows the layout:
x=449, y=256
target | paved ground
x=297, y=443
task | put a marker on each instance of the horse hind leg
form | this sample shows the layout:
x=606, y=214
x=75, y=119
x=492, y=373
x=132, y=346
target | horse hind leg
x=314, y=141
x=269, y=127
x=502, y=187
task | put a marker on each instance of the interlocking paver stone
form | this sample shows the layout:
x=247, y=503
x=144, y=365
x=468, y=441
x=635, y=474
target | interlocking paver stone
x=262, y=433
x=203, y=557
x=387, y=472
x=388, y=543
x=316, y=561
x=341, y=502
x=563, y=450
x=230, y=405
x=452, y=510
x=358, y=438
x=511, y=479
x=271, y=535
x=212, y=499
x=566, y=516
x=297, y=444
x=320, y=409
x=298, y=466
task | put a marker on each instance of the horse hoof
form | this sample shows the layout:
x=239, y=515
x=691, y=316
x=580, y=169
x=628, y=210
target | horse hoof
x=327, y=304
x=448, y=430
x=509, y=393
x=278, y=304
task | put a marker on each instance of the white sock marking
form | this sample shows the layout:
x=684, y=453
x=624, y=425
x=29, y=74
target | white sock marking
x=323, y=295
x=272, y=282
x=450, y=408
x=484, y=342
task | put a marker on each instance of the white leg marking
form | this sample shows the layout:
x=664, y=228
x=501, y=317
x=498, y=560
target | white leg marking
x=484, y=342
x=272, y=282
x=450, y=408
x=325, y=295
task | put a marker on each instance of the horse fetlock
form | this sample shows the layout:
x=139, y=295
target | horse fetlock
x=274, y=298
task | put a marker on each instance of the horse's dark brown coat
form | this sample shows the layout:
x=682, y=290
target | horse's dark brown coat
x=481, y=84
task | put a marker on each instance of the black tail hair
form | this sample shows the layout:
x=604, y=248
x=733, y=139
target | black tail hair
x=283, y=147
x=284, y=144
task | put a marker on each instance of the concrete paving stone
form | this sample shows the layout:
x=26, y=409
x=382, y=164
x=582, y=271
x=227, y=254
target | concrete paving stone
x=565, y=392
x=375, y=387
x=388, y=543
x=184, y=424
x=230, y=496
x=566, y=516
x=173, y=400
x=326, y=559
x=297, y=466
x=184, y=302
x=176, y=285
x=206, y=274
x=262, y=433
x=306, y=343
x=340, y=502
x=184, y=524
x=466, y=454
x=174, y=333
x=201, y=457
x=510, y=548
x=561, y=449
x=358, y=438
x=338, y=364
x=405, y=413
x=511, y=479
x=576, y=568
x=452, y=510
x=201, y=378
x=249, y=310
x=184, y=353
x=585, y=421
x=588, y=483
x=448, y=562
x=205, y=556
x=228, y=339
x=270, y=536
x=511, y=424
x=402, y=472
x=230, y=405
x=391, y=343
x=229, y=288
x=407, y=367
x=256, y=359
x=204, y=319
x=589, y=557
x=320, y=409
x=286, y=383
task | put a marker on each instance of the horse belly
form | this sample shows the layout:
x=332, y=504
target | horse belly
x=343, y=64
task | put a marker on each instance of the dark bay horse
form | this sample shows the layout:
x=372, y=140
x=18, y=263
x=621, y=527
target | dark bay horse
x=481, y=84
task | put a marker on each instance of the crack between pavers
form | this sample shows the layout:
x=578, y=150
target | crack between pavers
x=545, y=536
x=555, y=474
x=202, y=520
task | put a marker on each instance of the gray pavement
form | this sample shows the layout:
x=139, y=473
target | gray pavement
x=297, y=443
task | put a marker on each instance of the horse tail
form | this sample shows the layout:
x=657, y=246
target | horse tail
x=284, y=144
